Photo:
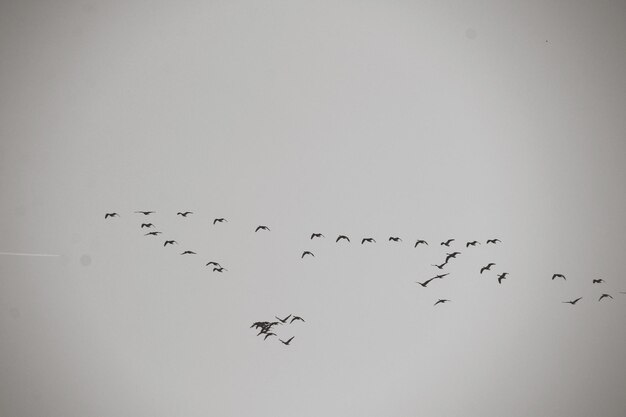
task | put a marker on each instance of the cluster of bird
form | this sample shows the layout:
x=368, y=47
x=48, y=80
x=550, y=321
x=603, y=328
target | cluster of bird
x=593, y=282
x=265, y=327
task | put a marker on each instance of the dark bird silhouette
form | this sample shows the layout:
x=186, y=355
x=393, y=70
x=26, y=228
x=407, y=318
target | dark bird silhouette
x=605, y=296
x=558, y=276
x=342, y=237
x=447, y=242
x=440, y=266
x=170, y=242
x=188, y=252
x=441, y=301
x=425, y=283
x=220, y=220
x=395, y=239
x=597, y=281
x=283, y=321
x=451, y=255
x=420, y=242
x=317, y=235
x=184, y=214
x=219, y=269
x=148, y=225
x=145, y=213
x=573, y=302
x=368, y=240
x=268, y=335
x=306, y=252
x=258, y=324
x=493, y=241
x=487, y=267
x=261, y=228
x=152, y=233
x=288, y=341
x=294, y=318
x=472, y=243
x=502, y=276
x=213, y=263
x=107, y=215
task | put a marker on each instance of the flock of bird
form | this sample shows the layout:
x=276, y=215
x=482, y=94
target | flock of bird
x=265, y=327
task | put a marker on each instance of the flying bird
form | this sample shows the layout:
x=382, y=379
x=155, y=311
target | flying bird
x=268, y=335
x=107, y=215
x=451, y=255
x=447, y=242
x=425, y=283
x=188, y=252
x=342, y=237
x=487, y=267
x=558, y=276
x=184, y=214
x=220, y=269
x=395, y=239
x=145, y=213
x=306, y=252
x=283, y=321
x=153, y=233
x=294, y=318
x=288, y=341
x=148, y=225
x=502, y=276
x=440, y=266
x=316, y=235
x=368, y=239
x=493, y=241
x=472, y=243
x=597, y=281
x=213, y=263
x=573, y=302
x=220, y=220
x=441, y=301
x=170, y=242
x=261, y=228
x=605, y=296
x=420, y=242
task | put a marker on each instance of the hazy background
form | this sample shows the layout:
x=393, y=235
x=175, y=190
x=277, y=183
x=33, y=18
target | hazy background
x=422, y=119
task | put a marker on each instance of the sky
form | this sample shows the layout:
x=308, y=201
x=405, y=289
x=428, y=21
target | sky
x=426, y=120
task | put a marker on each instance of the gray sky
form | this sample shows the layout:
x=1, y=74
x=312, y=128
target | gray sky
x=433, y=120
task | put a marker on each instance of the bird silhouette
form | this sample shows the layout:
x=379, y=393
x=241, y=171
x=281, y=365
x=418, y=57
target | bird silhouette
x=597, y=281
x=368, y=240
x=220, y=220
x=441, y=301
x=219, y=269
x=153, y=233
x=107, y=215
x=288, y=341
x=502, y=276
x=268, y=335
x=573, y=302
x=493, y=241
x=148, y=225
x=145, y=213
x=184, y=214
x=170, y=242
x=188, y=252
x=440, y=266
x=306, y=252
x=295, y=318
x=605, y=296
x=425, y=283
x=487, y=267
x=340, y=237
x=316, y=235
x=395, y=239
x=283, y=321
x=213, y=263
x=447, y=242
x=451, y=255
x=558, y=276
x=420, y=242
x=472, y=243
x=261, y=228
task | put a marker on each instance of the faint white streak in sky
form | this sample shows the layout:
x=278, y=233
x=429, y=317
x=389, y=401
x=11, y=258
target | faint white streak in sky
x=27, y=254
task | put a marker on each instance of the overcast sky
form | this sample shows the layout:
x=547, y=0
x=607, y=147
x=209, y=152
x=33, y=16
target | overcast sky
x=419, y=119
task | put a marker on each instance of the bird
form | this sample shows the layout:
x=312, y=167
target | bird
x=487, y=267
x=597, y=281
x=288, y=341
x=451, y=255
x=169, y=242
x=188, y=252
x=493, y=241
x=573, y=302
x=214, y=263
x=148, y=225
x=145, y=213
x=316, y=235
x=605, y=296
x=502, y=276
x=472, y=243
x=220, y=269
x=441, y=301
x=395, y=239
x=268, y=335
x=153, y=233
x=107, y=215
x=220, y=220
x=558, y=276
x=368, y=239
x=262, y=228
x=440, y=266
x=306, y=252
x=184, y=214
x=283, y=321
x=425, y=283
x=294, y=318
x=447, y=242
x=342, y=237
x=420, y=241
